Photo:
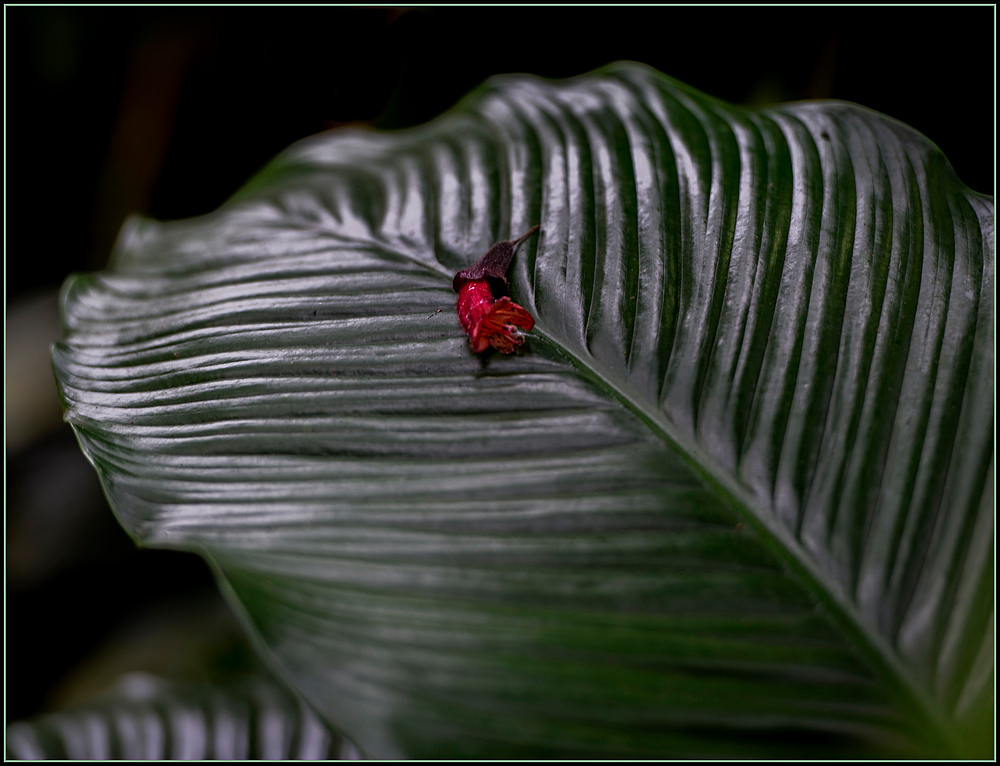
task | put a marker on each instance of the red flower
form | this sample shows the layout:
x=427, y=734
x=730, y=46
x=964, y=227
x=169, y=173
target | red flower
x=488, y=322
x=486, y=319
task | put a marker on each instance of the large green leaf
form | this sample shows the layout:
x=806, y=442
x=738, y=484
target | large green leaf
x=733, y=499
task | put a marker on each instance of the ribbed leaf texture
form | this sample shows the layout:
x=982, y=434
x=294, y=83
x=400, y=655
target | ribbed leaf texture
x=732, y=499
x=146, y=718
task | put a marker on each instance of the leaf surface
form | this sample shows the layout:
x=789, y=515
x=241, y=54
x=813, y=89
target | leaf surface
x=144, y=718
x=734, y=498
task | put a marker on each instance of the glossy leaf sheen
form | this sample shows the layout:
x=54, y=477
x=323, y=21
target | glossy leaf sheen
x=733, y=499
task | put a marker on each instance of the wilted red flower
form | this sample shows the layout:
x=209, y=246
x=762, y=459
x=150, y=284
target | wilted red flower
x=487, y=319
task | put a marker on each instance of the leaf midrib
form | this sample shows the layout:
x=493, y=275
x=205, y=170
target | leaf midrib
x=776, y=538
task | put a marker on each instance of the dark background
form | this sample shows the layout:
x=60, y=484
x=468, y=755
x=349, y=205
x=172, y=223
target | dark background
x=168, y=111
